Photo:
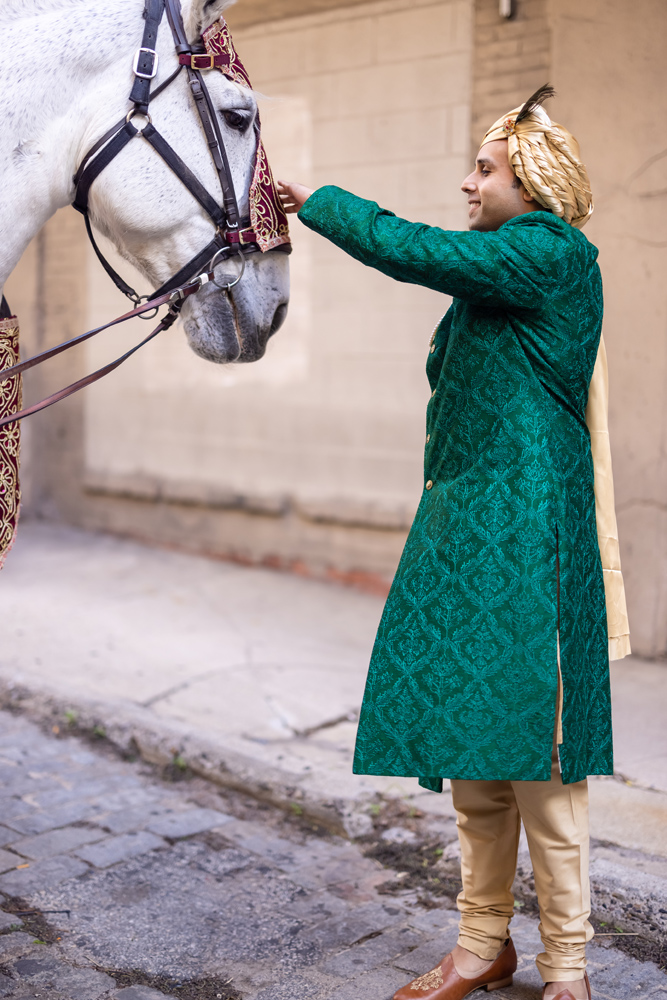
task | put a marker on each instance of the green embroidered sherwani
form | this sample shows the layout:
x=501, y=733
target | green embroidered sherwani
x=502, y=560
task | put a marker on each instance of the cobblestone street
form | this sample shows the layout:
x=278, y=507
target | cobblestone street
x=118, y=882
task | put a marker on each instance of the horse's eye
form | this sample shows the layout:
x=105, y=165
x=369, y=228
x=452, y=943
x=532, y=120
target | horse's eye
x=236, y=120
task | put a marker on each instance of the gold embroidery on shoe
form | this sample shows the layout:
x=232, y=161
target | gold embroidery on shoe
x=431, y=981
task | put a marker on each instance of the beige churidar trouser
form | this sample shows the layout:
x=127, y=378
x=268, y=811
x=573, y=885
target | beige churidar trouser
x=555, y=818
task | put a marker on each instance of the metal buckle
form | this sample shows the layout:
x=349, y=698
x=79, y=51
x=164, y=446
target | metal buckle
x=135, y=64
x=202, y=55
x=194, y=286
x=178, y=295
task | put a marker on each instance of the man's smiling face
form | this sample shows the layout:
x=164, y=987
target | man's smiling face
x=495, y=193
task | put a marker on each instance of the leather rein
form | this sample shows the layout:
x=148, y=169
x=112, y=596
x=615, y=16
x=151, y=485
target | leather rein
x=233, y=235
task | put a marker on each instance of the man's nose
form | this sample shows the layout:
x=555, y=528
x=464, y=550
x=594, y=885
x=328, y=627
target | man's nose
x=469, y=184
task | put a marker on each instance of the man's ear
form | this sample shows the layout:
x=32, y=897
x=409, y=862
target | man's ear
x=526, y=197
x=198, y=15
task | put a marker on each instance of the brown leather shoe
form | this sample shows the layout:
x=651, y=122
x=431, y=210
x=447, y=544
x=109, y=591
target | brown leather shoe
x=444, y=982
x=566, y=995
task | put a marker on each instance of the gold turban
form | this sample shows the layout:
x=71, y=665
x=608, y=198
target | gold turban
x=545, y=157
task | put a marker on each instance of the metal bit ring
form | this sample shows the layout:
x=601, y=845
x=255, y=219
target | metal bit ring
x=230, y=284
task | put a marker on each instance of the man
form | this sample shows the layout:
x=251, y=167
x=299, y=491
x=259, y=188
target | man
x=491, y=664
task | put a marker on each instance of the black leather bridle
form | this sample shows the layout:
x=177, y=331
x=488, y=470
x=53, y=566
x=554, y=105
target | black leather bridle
x=233, y=235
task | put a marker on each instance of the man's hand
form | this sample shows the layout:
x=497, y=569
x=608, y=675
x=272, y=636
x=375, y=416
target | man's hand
x=293, y=196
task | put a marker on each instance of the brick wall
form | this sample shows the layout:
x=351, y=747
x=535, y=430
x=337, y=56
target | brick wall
x=603, y=59
x=512, y=58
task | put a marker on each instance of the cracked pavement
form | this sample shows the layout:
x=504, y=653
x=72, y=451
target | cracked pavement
x=131, y=887
x=255, y=674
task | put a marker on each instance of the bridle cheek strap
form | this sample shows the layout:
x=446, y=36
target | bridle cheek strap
x=183, y=172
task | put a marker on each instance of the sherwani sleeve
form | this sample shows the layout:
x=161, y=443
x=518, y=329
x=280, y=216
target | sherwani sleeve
x=513, y=268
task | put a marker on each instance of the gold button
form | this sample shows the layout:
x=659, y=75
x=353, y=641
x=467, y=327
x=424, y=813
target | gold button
x=429, y=485
x=428, y=438
x=432, y=348
x=433, y=394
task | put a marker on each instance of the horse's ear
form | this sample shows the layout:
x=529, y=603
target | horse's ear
x=198, y=15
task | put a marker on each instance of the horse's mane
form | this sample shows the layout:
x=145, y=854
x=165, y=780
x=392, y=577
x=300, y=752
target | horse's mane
x=26, y=8
x=23, y=8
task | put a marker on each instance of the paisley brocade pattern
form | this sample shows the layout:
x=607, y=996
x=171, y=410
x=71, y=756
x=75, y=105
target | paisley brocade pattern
x=10, y=402
x=464, y=673
x=218, y=42
x=267, y=218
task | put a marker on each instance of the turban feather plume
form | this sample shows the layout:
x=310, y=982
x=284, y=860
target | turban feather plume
x=546, y=159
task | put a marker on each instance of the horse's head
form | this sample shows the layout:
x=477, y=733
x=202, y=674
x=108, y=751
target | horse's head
x=156, y=224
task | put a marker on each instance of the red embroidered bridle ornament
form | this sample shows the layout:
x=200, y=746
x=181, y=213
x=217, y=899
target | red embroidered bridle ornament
x=10, y=401
x=267, y=219
x=266, y=228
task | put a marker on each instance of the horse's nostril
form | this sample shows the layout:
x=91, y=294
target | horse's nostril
x=278, y=318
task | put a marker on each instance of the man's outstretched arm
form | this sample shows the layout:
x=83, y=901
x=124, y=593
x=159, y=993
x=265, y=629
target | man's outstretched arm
x=512, y=268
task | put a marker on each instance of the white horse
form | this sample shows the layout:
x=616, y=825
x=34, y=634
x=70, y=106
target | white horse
x=65, y=76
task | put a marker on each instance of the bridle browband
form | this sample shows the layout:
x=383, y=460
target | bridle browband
x=233, y=235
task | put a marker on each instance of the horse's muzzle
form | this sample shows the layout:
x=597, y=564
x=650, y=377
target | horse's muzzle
x=231, y=327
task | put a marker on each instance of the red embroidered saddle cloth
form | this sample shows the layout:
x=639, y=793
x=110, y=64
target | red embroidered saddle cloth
x=10, y=402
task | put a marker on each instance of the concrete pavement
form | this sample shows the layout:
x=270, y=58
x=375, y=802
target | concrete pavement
x=254, y=678
x=115, y=885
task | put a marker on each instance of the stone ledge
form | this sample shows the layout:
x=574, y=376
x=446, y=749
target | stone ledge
x=133, y=730
x=350, y=512
x=154, y=489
